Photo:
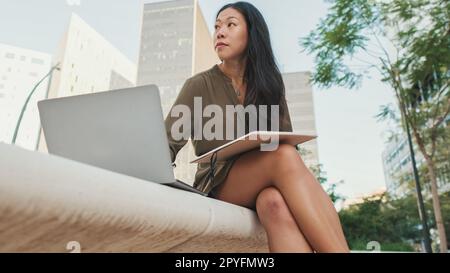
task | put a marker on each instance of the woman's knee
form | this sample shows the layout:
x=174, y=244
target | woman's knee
x=270, y=205
x=285, y=160
x=287, y=155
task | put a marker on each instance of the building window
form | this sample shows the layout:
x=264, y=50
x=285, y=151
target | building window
x=23, y=58
x=33, y=74
x=174, y=54
x=37, y=61
x=182, y=41
x=9, y=55
x=71, y=88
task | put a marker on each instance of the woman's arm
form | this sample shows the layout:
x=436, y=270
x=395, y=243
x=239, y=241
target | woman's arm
x=184, y=101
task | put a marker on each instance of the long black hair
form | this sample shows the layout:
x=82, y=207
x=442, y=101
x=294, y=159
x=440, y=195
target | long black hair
x=264, y=81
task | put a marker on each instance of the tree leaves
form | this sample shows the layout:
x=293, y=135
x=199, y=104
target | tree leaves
x=418, y=72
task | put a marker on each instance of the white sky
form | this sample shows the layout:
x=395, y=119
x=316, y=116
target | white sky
x=350, y=138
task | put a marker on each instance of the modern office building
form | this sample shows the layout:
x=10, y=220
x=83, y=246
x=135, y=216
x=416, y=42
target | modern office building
x=397, y=163
x=175, y=45
x=300, y=100
x=88, y=63
x=398, y=169
x=20, y=70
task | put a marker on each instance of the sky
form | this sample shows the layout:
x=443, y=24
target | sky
x=350, y=140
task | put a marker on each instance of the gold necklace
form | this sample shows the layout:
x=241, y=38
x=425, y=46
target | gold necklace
x=237, y=91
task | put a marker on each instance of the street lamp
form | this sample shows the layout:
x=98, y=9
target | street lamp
x=421, y=206
x=418, y=96
x=28, y=99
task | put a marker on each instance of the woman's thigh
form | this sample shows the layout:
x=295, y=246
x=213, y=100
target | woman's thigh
x=250, y=174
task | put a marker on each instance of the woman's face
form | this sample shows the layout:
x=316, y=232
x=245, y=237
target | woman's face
x=231, y=35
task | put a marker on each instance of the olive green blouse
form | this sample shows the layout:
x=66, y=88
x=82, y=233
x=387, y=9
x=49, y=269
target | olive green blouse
x=214, y=87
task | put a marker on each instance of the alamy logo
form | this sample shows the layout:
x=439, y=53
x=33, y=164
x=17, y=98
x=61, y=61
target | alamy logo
x=213, y=129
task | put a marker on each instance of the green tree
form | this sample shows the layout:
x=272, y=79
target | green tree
x=329, y=187
x=321, y=176
x=394, y=223
x=408, y=43
x=406, y=181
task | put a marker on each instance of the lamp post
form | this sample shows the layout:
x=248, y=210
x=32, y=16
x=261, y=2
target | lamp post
x=28, y=99
x=421, y=206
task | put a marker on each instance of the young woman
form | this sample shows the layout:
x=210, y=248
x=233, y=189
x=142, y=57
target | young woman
x=295, y=211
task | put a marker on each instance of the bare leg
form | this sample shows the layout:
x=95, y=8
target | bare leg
x=309, y=204
x=282, y=231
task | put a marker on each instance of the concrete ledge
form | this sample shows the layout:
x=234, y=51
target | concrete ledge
x=47, y=201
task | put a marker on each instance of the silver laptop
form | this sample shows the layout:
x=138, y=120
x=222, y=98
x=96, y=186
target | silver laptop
x=121, y=130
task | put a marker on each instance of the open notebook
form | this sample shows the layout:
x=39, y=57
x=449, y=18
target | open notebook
x=252, y=141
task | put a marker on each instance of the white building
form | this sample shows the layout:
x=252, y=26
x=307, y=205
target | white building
x=175, y=45
x=300, y=100
x=20, y=70
x=373, y=195
x=397, y=166
x=89, y=63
